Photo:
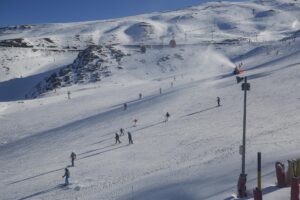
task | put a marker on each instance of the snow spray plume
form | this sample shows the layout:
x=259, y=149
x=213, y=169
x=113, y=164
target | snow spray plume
x=205, y=61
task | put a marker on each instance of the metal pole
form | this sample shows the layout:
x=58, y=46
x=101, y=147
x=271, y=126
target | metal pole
x=244, y=127
x=132, y=192
x=259, y=171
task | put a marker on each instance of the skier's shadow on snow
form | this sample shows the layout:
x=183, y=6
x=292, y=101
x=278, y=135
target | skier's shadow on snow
x=102, y=152
x=90, y=151
x=52, y=171
x=207, y=109
x=112, y=132
x=42, y=174
x=43, y=192
x=149, y=126
x=110, y=138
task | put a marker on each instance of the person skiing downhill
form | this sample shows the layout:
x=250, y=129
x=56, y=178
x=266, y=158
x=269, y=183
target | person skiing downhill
x=121, y=131
x=129, y=138
x=66, y=176
x=218, y=101
x=117, y=137
x=167, y=116
x=125, y=106
x=135, y=122
x=140, y=96
x=73, y=157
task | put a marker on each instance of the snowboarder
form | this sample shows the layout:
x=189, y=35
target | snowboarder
x=130, y=138
x=69, y=95
x=117, y=137
x=167, y=116
x=73, y=157
x=140, y=96
x=218, y=101
x=134, y=122
x=121, y=131
x=66, y=176
x=125, y=106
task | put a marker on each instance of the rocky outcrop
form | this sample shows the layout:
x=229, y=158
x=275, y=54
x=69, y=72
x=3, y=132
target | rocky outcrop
x=91, y=65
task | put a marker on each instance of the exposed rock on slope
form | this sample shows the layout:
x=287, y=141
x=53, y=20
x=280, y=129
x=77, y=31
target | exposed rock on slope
x=91, y=65
x=18, y=42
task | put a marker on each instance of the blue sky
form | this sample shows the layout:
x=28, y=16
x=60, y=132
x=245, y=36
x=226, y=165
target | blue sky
x=13, y=12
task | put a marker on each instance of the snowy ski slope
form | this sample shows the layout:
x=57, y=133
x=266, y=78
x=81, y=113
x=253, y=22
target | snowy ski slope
x=193, y=156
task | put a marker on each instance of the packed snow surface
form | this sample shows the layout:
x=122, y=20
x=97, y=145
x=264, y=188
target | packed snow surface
x=193, y=155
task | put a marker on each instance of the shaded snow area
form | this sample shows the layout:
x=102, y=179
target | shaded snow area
x=104, y=64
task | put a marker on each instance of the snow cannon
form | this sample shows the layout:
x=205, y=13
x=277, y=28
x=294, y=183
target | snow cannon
x=280, y=174
x=237, y=71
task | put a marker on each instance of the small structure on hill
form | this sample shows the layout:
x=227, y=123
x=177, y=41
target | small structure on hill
x=143, y=48
x=172, y=43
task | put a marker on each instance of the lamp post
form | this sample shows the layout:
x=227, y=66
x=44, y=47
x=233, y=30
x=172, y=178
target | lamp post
x=243, y=176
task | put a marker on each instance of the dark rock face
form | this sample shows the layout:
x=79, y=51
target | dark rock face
x=18, y=42
x=91, y=65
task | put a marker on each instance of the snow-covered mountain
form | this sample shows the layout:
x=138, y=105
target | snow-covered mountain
x=189, y=56
x=40, y=48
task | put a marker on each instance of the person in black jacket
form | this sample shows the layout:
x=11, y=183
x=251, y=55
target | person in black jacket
x=167, y=116
x=121, y=131
x=117, y=137
x=73, y=157
x=130, y=138
x=135, y=122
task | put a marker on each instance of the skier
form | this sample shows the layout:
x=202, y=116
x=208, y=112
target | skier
x=135, y=121
x=160, y=91
x=121, y=131
x=69, y=95
x=171, y=84
x=167, y=116
x=117, y=137
x=125, y=106
x=66, y=176
x=218, y=101
x=130, y=138
x=73, y=157
x=140, y=96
